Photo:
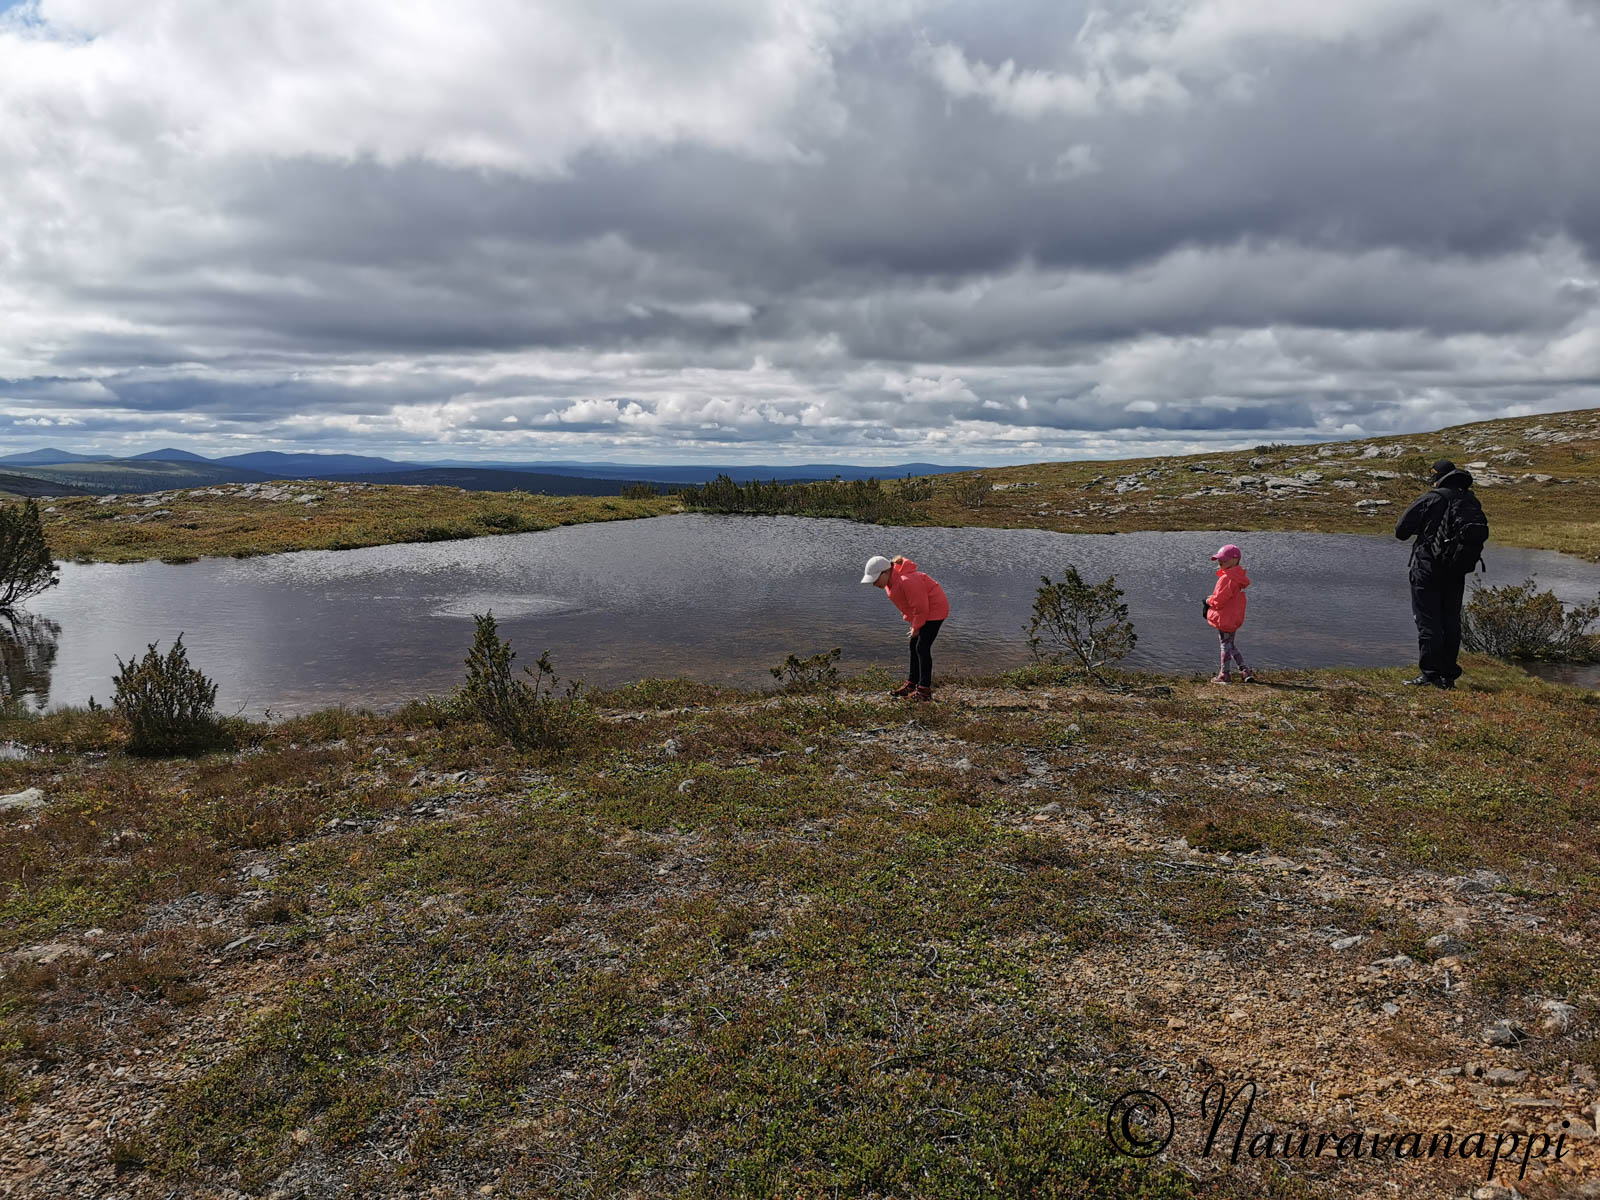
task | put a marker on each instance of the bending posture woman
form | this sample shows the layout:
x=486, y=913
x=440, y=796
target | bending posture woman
x=922, y=602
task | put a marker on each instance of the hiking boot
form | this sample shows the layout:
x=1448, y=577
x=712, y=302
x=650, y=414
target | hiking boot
x=922, y=693
x=1221, y=679
x=905, y=689
x=1424, y=681
x=1445, y=685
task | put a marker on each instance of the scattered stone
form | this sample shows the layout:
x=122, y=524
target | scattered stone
x=670, y=747
x=1441, y=944
x=27, y=799
x=1575, y=1128
x=259, y=871
x=1503, y=1033
x=1399, y=962
x=1504, y=1076
x=1349, y=943
x=1559, y=1017
x=1478, y=881
x=51, y=952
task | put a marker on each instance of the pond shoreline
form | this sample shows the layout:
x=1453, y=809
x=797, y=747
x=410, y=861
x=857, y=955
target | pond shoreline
x=718, y=598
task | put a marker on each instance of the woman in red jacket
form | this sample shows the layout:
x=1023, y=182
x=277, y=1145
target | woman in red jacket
x=922, y=601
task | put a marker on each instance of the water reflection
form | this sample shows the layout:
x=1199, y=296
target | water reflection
x=28, y=644
x=720, y=599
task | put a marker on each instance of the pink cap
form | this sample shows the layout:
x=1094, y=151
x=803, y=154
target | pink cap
x=1227, y=552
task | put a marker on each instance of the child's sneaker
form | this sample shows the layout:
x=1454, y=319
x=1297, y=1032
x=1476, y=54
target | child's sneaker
x=1248, y=676
x=905, y=689
x=922, y=693
x=1221, y=679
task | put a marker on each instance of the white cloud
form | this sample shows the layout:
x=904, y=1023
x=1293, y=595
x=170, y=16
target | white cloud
x=773, y=228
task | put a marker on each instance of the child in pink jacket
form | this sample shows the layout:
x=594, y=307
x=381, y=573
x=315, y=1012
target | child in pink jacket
x=923, y=604
x=1225, y=610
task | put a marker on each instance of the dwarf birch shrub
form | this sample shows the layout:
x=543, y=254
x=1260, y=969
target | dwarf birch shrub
x=800, y=675
x=1080, y=624
x=970, y=491
x=1518, y=622
x=26, y=565
x=529, y=713
x=169, y=706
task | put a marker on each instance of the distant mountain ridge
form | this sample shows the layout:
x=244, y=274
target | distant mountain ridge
x=46, y=456
x=170, y=467
x=301, y=466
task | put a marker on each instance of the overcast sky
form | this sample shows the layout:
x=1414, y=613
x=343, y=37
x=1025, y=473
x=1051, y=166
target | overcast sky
x=791, y=230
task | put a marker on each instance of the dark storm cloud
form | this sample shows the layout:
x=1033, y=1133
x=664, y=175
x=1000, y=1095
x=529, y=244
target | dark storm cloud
x=946, y=228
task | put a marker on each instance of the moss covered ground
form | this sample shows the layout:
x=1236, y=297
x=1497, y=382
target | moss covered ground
x=741, y=944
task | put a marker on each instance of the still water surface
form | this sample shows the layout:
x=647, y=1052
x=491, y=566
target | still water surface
x=711, y=597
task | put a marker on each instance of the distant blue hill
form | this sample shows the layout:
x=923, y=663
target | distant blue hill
x=497, y=480
x=534, y=476
x=47, y=456
x=677, y=473
x=312, y=466
x=167, y=455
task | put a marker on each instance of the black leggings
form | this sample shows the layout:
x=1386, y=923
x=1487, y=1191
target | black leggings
x=922, y=654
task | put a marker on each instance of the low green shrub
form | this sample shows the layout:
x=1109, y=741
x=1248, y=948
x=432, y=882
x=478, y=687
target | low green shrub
x=969, y=491
x=529, y=715
x=798, y=675
x=1079, y=623
x=913, y=489
x=168, y=705
x=26, y=565
x=1518, y=622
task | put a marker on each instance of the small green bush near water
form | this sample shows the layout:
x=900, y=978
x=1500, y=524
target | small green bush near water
x=808, y=674
x=169, y=706
x=1518, y=622
x=1080, y=624
x=530, y=715
x=26, y=565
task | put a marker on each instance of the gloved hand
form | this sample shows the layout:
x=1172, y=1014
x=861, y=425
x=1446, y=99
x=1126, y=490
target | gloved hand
x=1205, y=608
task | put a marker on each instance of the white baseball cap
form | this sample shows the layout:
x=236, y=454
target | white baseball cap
x=876, y=565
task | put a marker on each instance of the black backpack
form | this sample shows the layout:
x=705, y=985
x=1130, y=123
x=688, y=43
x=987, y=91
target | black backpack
x=1456, y=542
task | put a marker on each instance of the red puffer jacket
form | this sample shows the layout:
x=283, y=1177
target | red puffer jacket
x=916, y=595
x=1225, y=606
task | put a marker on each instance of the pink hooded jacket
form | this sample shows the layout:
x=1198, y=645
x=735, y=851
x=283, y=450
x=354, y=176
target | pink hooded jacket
x=916, y=595
x=1225, y=606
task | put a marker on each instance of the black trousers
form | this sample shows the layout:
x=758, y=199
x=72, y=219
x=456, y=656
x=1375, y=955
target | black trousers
x=1436, y=604
x=922, y=654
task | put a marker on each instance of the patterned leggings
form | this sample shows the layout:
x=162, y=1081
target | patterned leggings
x=1229, y=650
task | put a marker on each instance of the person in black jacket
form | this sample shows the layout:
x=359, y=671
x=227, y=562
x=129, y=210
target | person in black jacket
x=1436, y=589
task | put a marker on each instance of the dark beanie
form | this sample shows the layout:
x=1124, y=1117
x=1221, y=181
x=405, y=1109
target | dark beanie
x=1442, y=468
